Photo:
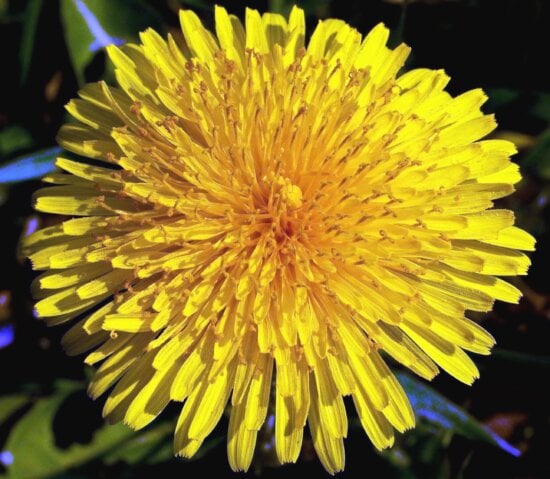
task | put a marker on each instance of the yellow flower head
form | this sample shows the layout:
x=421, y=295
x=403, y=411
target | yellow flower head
x=263, y=219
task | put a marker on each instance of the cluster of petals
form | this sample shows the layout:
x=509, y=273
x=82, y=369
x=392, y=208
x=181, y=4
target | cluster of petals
x=259, y=218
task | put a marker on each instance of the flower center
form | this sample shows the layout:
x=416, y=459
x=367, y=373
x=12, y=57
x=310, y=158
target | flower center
x=282, y=204
x=291, y=195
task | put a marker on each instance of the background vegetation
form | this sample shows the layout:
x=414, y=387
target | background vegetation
x=49, y=428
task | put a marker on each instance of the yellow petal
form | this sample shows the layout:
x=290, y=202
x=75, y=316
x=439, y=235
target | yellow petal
x=200, y=41
x=445, y=354
x=231, y=34
x=513, y=237
x=256, y=38
x=241, y=441
x=329, y=449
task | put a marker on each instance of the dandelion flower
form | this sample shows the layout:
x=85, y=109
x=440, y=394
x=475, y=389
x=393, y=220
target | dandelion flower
x=264, y=218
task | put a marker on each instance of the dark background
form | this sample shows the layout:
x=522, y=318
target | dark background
x=501, y=46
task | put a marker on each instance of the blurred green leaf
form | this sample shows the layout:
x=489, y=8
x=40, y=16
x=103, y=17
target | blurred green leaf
x=11, y=404
x=521, y=140
x=198, y=4
x=523, y=359
x=14, y=138
x=538, y=157
x=29, y=167
x=397, y=34
x=32, y=444
x=499, y=97
x=207, y=446
x=432, y=406
x=421, y=453
x=144, y=447
x=30, y=23
x=155, y=446
x=91, y=25
x=397, y=457
x=317, y=8
x=542, y=107
x=281, y=6
x=3, y=7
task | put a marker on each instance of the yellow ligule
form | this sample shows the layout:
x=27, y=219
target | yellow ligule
x=241, y=441
x=329, y=449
